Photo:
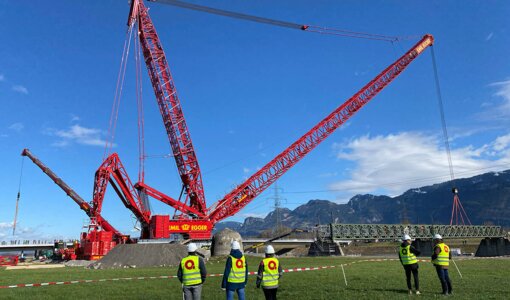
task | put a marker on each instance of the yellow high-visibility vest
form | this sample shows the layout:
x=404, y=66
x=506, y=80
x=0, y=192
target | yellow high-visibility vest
x=238, y=271
x=191, y=270
x=443, y=258
x=407, y=257
x=270, y=275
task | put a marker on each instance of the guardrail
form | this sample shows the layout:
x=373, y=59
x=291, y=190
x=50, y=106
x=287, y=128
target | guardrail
x=32, y=242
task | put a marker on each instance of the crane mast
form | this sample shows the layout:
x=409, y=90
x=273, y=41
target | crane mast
x=261, y=180
x=169, y=106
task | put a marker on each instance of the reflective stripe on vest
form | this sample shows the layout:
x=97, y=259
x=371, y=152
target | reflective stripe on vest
x=443, y=258
x=407, y=257
x=191, y=270
x=270, y=275
x=238, y=271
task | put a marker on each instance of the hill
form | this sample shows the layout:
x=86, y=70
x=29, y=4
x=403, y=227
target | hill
x=486, y=199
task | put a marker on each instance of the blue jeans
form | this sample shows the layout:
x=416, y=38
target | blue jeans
x=446, y=285
x=240, y=294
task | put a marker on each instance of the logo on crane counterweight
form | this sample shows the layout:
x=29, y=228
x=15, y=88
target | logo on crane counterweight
x=189, y=227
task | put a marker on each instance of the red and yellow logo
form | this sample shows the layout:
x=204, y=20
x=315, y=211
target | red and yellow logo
x=189, y=264
x=239, y=263
x=189, y=227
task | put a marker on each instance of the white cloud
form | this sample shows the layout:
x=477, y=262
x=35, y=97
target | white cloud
x=327, y=175
x=74, y=118
x=17, y=126
x=5, y=225
x=395, y=163
x=502, y=143
x=20, y=89
x=503, y=91
x=489, y=36
x=22, y=233
x=5, y=230
x=78, y=134
x=254, y=215
x=499, y=111
x=246, y=170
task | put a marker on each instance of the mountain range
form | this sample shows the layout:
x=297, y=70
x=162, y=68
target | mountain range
x=485, y=198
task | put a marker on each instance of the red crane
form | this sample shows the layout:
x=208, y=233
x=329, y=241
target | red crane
x=101, y=236
x=196, y=220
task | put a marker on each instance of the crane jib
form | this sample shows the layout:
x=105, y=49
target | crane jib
x=268, y=174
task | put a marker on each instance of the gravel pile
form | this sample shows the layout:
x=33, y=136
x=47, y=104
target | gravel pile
x=142, y=255
x=78, y=263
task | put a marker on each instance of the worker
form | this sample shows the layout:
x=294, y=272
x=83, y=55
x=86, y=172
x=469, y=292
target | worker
x=441, y=259
x=235, y=275
x=407, y=255
x=269, y=273
x=192, y=274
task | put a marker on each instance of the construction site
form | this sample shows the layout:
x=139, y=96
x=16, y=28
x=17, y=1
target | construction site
x=166, y=224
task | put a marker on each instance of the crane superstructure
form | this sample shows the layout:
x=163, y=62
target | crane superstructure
x=196, y=221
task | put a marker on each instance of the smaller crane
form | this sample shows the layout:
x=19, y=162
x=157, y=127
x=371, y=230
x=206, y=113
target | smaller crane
x=101, y=235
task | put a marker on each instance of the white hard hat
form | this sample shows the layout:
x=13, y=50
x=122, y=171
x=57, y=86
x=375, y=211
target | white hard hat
x=406, y=237
x=269, y=249
x=192, y=247
x=235, y=245
x=437, y=236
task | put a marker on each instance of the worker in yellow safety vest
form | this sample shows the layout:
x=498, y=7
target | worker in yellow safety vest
x=407, y=255
x=192, y=274
x=269, y=273
x=235, y=275
x=441, y=260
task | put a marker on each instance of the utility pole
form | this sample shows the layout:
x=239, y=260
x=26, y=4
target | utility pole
x=277, y=205
x=404, y=219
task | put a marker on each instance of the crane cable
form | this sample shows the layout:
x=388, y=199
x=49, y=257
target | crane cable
x=118, y=94
x=17, y=198
x=443, y=120
x=457, y=208
x=141, y=118
x=291, y=25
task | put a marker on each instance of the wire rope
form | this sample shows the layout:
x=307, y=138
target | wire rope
x=286, y=24
x=18, y=197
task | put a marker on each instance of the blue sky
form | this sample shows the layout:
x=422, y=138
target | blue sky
x=248, y=91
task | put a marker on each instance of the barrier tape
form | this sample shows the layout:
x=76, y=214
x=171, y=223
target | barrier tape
x=142, y=278
x=21, y=285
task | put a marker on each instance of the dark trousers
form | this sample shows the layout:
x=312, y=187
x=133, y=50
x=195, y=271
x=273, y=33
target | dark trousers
x=446, y=285
x=270, y=294
x=412, y=269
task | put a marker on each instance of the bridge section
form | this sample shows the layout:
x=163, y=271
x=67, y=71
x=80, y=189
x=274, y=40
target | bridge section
x=337, y=232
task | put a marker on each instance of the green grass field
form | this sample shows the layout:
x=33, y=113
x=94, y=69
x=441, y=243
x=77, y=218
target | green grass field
x=483, y=279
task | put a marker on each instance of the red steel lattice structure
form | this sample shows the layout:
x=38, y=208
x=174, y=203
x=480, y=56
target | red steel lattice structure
x=169, y=106
x=267, y=175
x=196, y=220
